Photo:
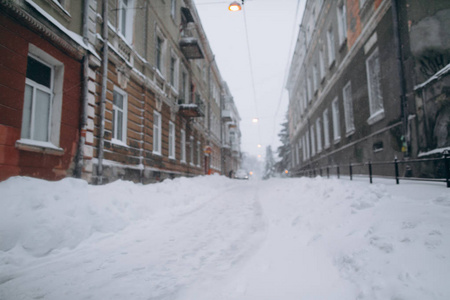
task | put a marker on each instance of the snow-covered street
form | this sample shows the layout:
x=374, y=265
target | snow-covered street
x=214, y=238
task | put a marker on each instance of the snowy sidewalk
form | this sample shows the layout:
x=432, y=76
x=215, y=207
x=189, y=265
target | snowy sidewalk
x=216, y=238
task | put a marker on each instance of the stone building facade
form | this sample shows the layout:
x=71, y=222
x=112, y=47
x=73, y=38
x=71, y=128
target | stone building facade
x=353, y=82
x=147, y=98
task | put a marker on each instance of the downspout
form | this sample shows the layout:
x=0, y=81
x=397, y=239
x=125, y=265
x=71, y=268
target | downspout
x=401, y=75
x=79, y=160
x=222, y=159
x=103, y=93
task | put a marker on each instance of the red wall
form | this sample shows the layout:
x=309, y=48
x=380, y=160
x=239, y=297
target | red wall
x=14, y=41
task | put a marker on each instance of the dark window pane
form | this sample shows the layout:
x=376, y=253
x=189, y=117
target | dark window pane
x=38, y=72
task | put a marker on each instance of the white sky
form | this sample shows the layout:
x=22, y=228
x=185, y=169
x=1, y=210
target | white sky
x=271, y=28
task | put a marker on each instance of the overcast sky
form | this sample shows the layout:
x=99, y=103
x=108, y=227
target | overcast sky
x=272, y=26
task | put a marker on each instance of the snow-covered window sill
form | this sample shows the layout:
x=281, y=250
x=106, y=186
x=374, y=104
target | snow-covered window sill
x=38, y=146
x=379, y=115
x=349, y=133
x=119, y=143
x=156, y=153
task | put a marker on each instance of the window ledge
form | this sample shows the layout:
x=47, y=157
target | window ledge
x=37, y=146
x=379, y=115
x=119, y=143
x=157, y=153
x=336, y=140
x=350, y=132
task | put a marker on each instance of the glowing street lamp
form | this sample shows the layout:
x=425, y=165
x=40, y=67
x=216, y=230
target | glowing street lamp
x=255, y=120
x=259, y=146
x=234, y=6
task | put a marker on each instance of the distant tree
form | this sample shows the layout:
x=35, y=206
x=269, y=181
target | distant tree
x=284, y=151
x=269, y=168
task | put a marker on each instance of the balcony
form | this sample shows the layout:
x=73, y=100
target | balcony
x=226, y=115
x=191, y=110
x=189, y=44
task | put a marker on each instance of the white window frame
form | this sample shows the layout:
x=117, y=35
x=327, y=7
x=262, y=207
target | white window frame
x=199, y=146
x=315, y=78
x=114, y=137
x=173, y=8
x=342, y=23
x=308, y=149
x=336, y=121
x=304, y=148
x=160, y=58
x=313, y=140
x=309, y=88
x=171, y=140
x=183, y=145
x=191, y=152
x=348, y=109
x=331, y=46
x=373, y=71
x=322, y=64
x=326, y=129
x=55, y=105
x=127, y=12
x=157, y=133
x=173, y=77
x=319, y=135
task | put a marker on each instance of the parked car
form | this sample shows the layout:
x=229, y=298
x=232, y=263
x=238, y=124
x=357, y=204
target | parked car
x=241, y=174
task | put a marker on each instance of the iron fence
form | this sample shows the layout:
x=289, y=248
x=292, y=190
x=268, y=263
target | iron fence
x=425, y=169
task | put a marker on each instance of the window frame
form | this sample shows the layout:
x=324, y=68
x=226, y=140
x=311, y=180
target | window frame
x=125, y=29
x=57, y=82
x=124, y=110
x=319, y=135
x=331, y=46
x=172, y=154
x=342, y=22
x=336, y=120
x=157, y=137
x=183, y=146
x=348, y=109
x=326, y=129
x=376, y=108
x=313, y=139
x=198, y=153
x=191, y=150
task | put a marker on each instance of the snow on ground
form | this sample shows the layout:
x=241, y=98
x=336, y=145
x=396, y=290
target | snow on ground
x=215, y=238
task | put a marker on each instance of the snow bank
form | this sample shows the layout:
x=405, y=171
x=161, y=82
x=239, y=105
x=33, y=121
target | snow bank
x=41, y=216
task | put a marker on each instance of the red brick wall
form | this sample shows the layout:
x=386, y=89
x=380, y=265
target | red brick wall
x=14, y=41
x=353, y=22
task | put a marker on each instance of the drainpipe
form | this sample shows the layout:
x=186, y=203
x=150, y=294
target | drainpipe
x=401, y=75
x=103, y=93
x=79, y=160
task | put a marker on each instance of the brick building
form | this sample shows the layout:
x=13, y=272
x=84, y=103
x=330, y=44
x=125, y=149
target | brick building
x=354, y=82
x=142, y=95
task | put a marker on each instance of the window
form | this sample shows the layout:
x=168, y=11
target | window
x=173, y=8
x=156, y=133
x=173, y=70
x=184, y=88
x=125, y=18
x=319, y=135
x=331, y=50
x=304, y=148
x=159, y=53
x=342, y=23
x=41, y=118
x=199, y=153
x=361, y=3
x=321, y=64
x=374, y=88
x=119, y=121
x=191, y=150
x=313, y=141
x=171, y=140
x=348, y=109
x=326, y=128
x=310, y=90
x=315, y=76
x=183, y=146
x=307, y=145
x=336, y=128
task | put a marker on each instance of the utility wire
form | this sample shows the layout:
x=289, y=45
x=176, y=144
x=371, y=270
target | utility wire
x=251, y=74
x=288, y=63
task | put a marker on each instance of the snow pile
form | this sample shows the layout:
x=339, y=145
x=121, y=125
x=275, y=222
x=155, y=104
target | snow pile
x=215, y=238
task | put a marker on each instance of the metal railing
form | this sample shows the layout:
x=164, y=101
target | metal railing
x=426, y=169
